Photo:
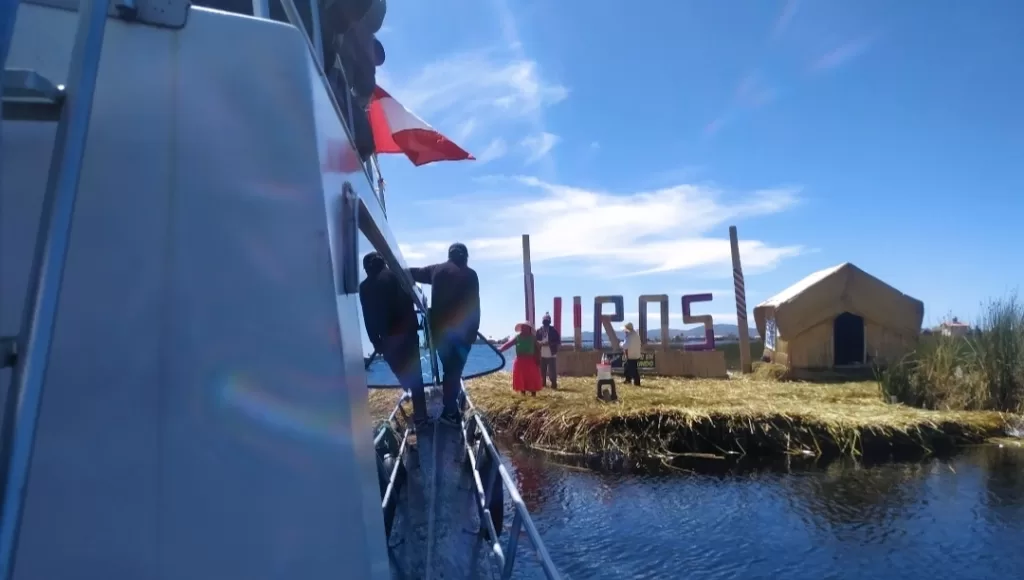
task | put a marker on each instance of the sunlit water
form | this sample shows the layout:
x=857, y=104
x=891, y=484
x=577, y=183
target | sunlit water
x=959, y=519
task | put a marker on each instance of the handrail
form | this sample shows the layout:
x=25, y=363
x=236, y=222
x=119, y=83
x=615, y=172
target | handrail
x=522, y=517
x=483, y=482
x=398, y=410
x=387, y=503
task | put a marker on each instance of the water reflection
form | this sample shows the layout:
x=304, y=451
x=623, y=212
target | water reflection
x=848, y=495
x=530, y=473
x=1004, y=487
x=954, y=518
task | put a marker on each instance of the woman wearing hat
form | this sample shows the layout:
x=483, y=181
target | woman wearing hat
x=526, y=367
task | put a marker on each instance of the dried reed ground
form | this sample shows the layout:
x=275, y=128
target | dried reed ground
x=668, y=417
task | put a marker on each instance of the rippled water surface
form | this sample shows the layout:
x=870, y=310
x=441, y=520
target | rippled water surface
x=961, y=518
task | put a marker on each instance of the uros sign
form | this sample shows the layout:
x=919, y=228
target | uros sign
x=603, y=321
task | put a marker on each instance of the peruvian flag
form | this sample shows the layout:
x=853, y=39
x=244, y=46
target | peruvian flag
x=397, y=130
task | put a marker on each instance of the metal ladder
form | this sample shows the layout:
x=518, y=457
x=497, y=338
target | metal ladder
x=28, y=96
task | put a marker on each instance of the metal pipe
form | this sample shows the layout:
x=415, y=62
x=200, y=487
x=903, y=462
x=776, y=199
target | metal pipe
x=393, y=477
x=531, y=531
x=318, y=35
x=24, y=399
x=513, y=544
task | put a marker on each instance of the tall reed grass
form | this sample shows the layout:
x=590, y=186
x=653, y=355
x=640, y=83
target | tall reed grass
x=984, y=370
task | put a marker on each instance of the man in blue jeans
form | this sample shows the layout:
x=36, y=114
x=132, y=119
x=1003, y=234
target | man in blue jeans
x=389, y=315
x=454, y=320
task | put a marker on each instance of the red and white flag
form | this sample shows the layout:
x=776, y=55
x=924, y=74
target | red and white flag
x=398, y=130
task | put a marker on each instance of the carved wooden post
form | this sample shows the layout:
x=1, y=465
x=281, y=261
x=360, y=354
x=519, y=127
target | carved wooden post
x=528, y=281
x=605, y=320
x=577, y=323
x=662, y=301
x=556, y=316
x=741, y=301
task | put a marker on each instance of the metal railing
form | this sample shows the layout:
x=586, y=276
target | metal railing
x=388, y=501
x=478, y=445
x=475, y=433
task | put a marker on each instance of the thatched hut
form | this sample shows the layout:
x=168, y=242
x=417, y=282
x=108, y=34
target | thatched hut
x=838, y=317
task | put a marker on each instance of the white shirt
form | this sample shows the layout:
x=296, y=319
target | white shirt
x=545, y=350
x=632, y=346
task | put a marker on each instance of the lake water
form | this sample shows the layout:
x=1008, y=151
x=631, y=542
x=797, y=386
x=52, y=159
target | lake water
x=959, y=519
x=482, y=358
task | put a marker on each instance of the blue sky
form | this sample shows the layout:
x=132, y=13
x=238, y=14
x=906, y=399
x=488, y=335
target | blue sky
x=887, y=134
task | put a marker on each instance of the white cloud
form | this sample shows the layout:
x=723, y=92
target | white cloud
x=481, y=88
x=497, y=148
x=604, y=234
x=465, y=129
x=537, y=146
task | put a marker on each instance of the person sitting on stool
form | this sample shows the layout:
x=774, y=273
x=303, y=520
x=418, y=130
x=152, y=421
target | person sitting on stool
x=632, y=350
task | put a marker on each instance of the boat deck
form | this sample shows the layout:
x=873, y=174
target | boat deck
x=436, y=528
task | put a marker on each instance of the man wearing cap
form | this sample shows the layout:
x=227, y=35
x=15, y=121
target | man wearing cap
x=549, y=340
x=389, y=315
x=454, y=320
x=632, y=351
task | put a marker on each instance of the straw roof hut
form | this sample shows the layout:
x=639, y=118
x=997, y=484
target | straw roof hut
x=840, y=316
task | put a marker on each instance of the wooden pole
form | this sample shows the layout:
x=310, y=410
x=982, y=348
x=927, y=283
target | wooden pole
x=528, y=281
x=741, y=301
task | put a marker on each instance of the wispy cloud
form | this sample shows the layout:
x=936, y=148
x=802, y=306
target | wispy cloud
x=715, y=125
x=664, y=230
x=514, y=43
x=842, y=54
x=464, y=130
x=488, y=96
x=479, y=86
x=538, y=146
x=751, y=93
x=785, y=16
x=496, y=149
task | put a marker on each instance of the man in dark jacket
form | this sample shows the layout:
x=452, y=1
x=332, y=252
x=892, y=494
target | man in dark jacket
x=549, y=340
x=389, y=314
x=454, y=319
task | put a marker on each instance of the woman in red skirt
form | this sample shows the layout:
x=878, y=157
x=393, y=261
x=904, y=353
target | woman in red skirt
x=526, y=367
